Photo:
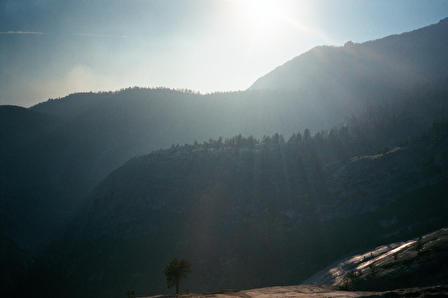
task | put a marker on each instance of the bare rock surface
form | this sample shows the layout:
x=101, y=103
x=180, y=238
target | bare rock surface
x=320, y=291
x=416, y=262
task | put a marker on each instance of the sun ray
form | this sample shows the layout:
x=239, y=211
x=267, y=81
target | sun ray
x=265, y=20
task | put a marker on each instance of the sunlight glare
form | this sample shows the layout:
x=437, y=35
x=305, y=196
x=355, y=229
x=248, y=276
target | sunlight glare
x=262, y=13
x=267, y=21
x=261, y=18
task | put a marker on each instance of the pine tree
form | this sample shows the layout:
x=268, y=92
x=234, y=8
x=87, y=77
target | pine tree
x=175, y=271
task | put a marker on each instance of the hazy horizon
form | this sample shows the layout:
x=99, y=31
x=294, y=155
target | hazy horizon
x=50, y=49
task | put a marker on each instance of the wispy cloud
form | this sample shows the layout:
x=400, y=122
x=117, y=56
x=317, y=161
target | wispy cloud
x=100, y=35
x=21, y=32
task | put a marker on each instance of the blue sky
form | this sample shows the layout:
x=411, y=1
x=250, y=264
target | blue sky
x=51, y=48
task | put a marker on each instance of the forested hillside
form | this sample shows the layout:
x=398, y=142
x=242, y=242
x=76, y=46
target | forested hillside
x=249, y=212
x=92, y=134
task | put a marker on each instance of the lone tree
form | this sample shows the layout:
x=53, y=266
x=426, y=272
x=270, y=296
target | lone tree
x=175, y=271
x=130, y=293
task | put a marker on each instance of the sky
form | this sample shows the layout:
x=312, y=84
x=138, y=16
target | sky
x=51, y=48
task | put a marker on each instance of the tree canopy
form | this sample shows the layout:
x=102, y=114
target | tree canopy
x=175, y=271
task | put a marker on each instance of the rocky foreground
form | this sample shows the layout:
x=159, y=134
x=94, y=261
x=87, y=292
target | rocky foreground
x=416, y=267
x=419, y=262
x=322, y=291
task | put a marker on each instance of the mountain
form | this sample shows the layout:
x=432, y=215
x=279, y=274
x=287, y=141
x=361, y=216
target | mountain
x=366, y=72
x=49, y=171
x=57, y=151
x=20, y=127
x=15, y=266
x=54, y=171
x=250, y=213
x=71, y=164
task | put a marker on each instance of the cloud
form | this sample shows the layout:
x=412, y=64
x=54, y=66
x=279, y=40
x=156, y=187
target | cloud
x=100, y=35
x=21, y=32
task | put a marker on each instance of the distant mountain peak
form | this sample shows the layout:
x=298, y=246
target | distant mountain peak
x=396, y=61
x=444, y=21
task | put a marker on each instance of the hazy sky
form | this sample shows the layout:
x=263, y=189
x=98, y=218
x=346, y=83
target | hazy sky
x=50, y=48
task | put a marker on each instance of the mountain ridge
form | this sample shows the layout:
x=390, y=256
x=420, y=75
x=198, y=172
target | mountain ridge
x=270, y=81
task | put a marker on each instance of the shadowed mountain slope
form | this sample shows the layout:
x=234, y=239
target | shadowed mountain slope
x=55, y=171
x=51, y=171
x=54, y=153
x=20, y=127
x=248, y=213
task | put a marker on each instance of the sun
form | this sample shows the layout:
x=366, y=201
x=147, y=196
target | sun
x=267, y=22
x=260, y=18
x=262, y=12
